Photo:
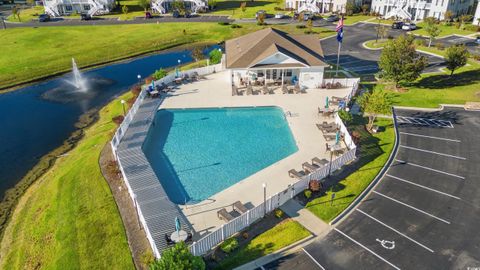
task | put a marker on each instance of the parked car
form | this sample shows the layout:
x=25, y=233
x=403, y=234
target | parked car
x=308, y=16
x=188, y=14
x=148, y=15
x=176, y=14
x=279, y=16
x=409, y=26
x=397, y=25
x=43, y=18
x=332, y=18
x=85, y=17
x=261, y=12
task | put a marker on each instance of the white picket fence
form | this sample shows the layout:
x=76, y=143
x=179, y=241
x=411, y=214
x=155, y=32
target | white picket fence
x=236, y=225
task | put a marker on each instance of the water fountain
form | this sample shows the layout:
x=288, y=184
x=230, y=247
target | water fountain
x=78, y=80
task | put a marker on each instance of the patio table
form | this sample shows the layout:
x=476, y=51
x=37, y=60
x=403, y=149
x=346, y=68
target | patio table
x=179, y=236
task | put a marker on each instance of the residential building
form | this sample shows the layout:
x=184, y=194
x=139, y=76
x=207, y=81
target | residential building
x=476, y=19
x=322, y=6
x=421, y=9
x=165, y=6
x=66, y=7
x=270, y=56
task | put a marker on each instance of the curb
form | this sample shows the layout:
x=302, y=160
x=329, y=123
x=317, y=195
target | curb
x=375, y=181
x=277, y=254
x=368, y=48
x=442, y=106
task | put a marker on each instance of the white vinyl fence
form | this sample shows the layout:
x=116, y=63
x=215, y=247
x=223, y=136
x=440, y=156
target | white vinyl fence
x=211, y=240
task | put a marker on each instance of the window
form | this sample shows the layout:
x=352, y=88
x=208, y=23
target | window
x=268, y=74
x=274, y=73
x=86, y=7
x=68, y=8
x=288, y=73
x=259, y=73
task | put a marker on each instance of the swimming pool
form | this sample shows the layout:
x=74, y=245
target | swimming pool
x=197, y=153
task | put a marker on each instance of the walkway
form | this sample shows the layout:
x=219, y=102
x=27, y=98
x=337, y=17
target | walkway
x=308, y=220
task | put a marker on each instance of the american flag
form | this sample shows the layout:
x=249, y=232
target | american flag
x=339, y=25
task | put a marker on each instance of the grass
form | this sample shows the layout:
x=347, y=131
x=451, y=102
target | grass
x=232, y=8
x=374, y=152
x=349, y=20
x=68, y=218
x=446, y=30
x=134, y=10
x=282, y=235
x=372, y=44
x=27, y=15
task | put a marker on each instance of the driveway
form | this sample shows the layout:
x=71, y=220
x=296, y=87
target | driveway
x=423, y=214
x=356, y=58
x=472, y=46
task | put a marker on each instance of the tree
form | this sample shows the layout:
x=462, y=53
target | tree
x=125, y=9
x=432, y=29
x=374, y=103
x=400, y=61
x=197, y=54
x=350, y=8
x=144, y=4
x=178, y=257
x=456, y=57
x=16, y=12
x=309, y=26
x=261, y=19
x=448, y=17
x=465, y=18
x=243, y=7
x=179, y=5
x=382, y=31
x=215, y=56
x=365, y=9
x=159, y=74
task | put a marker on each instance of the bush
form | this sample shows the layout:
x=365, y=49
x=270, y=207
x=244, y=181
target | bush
x=118, y=119
x=215, y=56
x=476, y=57
x=261, y=23
x=420, y=42
x=159, y=74
x=308, y=32
x=345, y=116
x=229, y=245
x=300, y=26
x=307, y=193
x=278, y=213
x=136, y=90
x=223, y=23
x=278, y=8
x=473, y=28
x=178, y=257
x=440, y=46
x=236, y=26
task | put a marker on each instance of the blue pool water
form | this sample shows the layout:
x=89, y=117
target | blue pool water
x=197, y=153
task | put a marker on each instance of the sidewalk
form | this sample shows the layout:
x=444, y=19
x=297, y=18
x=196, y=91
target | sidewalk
x=308, y=220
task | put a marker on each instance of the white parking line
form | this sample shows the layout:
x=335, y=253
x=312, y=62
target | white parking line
x=406, y=236
x=421, y=186
x=430, y=137
x=432, y=152
x=411, y=207
x=367, y=249
x=313, y=259
x=424, y=121
x=430, y=169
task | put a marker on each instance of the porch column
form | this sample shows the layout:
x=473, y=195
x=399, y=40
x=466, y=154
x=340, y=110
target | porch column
x=283, y=73
x=265, y=76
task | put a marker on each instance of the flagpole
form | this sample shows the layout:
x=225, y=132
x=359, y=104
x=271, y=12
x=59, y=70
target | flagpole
x=338, y=57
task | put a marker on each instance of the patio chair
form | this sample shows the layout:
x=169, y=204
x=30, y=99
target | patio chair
x=239, y=207
x=168, y=240
x=189, y=237
x=284, y=89
x=234, y=90
x=249, y=90
x=328, y=148
x=294, y=174
x=265, y=90
x=329, y=137
x=307, y=167
x=224, y=215
x=297, y=89
x=319, y=162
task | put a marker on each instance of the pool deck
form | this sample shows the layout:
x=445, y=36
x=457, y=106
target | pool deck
x=215, y=91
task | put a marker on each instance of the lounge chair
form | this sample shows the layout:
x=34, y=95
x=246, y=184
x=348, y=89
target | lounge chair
x=168, y=240
x=239, y=207
x=319, y=162
x=234, y=90
x=189, y=237
x=249, y=90
x=284, y=89
x=329, y=137
x=265, y=90
x=307, y=167
x=297, y=89
x=294, y=174
x=224, y=215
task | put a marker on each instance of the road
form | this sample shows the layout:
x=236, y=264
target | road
x=425, y=211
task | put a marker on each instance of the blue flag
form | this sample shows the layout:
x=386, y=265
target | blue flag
x=340, y=35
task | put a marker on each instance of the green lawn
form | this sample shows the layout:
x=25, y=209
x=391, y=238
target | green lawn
x=68, y=219
x=282, y=235
x=134, y=10
x=372, y=44
x=27, y=15
x=349, y=20
x=374, y=153
x=445, y=30
x=232, y=8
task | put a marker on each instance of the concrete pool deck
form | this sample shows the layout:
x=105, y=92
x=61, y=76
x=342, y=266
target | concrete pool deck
x=215, y=91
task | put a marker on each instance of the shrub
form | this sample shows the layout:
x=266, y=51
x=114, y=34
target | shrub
x=473, y=28
x=440, y=46
x=236, y=26
x=159, y=74
x=229, y=245
x=278, y=9
x=476, y=57
x=178, y=257
x=245, y=235
x=278, y=213
x=118, y=119
x=307, y=193
x=223, y=23
x=420, y=42
x=345, y=116
x=300, y=26
x=136, y=90
x=215, y=56
x=308, y=32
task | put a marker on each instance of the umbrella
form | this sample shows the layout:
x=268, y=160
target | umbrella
x=153, y=84
x=326, y=102
x=337, y=137
x=177, y=225
x=176, y=72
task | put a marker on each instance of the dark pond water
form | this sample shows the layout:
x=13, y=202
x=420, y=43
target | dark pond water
x=36, y=119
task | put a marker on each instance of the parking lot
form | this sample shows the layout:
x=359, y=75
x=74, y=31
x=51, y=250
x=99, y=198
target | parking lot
x=425, y=211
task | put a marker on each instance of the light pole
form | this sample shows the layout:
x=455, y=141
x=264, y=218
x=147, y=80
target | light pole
x=3, y=22
x=178, y=68
x=123, y=106
x=264, y=198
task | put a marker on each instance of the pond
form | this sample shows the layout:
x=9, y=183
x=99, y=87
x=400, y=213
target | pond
x=38, y=118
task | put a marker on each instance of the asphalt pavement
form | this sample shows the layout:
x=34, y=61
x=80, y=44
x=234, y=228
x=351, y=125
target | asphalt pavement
x=425, y=211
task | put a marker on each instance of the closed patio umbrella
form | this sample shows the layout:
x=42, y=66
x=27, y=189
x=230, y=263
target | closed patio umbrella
x=177, y=225
x=177, y=72
x=326, y=102
x=337, y=137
